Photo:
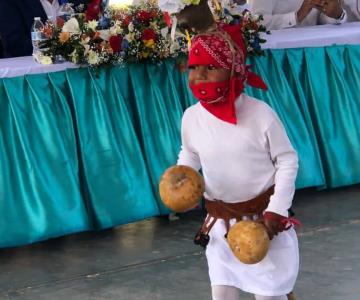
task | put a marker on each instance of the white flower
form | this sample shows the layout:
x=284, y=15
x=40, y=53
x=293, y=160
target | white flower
x=85, y=41
x=104, y=34
x=174, y=47
x=255, y=17
x=131, y=27
x=71, y=26
x=93, y=58
x=116, y=29
x=87, y=49
x=247, y=14
x=45, y=60
x=74, y=57
x=164, y=32
x=154, y=25
x=171, y=6
x=130, y=37
x=92, y=25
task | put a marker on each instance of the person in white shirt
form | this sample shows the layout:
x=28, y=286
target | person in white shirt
x=245, y=156
x=352, y=8
x=51, y=8
x=279, y=14
x=236, y=7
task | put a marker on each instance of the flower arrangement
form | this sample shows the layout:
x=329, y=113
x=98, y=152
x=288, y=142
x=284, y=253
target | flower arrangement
x=144, y=33
x=252, y=30
x=136, y=33
x=222, y=11
x=103, y=36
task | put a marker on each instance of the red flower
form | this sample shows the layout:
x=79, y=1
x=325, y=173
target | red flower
x=127, y=21
x=167, y=19
x=96, y=36
x=148, y=34
x=115, y=42
x=48, y=30
x=93, y=10
x=143, y=16
x=254, y=26
x=60, y=22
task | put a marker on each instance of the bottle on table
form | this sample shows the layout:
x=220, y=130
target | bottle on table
x=37, y=36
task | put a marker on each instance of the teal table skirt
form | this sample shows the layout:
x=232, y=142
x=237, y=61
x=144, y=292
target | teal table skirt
x=84, y=150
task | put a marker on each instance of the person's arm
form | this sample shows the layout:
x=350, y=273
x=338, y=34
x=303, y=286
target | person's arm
x=353, y=12
x=188, y=156
x=15, y=36
x=333, y=13
x=285, y=161
x=273, y=21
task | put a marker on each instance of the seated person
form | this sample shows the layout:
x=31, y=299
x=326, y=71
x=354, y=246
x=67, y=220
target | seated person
x=16, y=19
x=1, y=49
x=236, y=7
x=352, y=8
x=279, y=14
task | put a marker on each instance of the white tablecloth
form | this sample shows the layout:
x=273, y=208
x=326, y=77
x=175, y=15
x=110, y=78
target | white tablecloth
x=316, y=36
x=18, y=66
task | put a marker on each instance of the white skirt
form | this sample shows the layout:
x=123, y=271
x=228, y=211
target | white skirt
x=275, y=275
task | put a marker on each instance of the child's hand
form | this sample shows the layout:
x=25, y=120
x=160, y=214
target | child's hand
x=274, y=223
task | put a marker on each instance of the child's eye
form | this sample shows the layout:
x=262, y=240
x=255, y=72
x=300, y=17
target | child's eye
x=211, y=67
x=193, y=67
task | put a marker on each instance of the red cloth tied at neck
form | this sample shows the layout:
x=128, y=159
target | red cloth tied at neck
x=222, y=48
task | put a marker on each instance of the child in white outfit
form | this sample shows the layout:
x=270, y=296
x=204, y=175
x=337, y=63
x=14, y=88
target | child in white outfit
x=245, y=156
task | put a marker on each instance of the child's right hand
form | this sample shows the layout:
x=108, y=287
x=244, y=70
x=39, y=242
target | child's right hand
x=274, y=223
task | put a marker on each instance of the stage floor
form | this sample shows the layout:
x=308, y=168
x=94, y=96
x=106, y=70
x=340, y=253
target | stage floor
x=156, y=259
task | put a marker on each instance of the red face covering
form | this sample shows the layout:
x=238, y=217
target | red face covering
x=222, y=49
x=218, y=97
x=210, y=92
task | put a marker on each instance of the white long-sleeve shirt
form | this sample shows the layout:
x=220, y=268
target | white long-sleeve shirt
x=279, y=14
x=51, y=9
x=241, y=161
x=352, y=8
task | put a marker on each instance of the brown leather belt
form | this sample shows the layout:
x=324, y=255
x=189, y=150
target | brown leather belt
x=218, y=209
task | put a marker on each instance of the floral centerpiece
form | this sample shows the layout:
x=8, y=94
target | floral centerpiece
x=251, y=28
x=144, y=33
x=136, y=33
x=103, y=36
x=194, y=16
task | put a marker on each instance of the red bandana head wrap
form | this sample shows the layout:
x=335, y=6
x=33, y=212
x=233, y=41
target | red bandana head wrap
x=223, y=48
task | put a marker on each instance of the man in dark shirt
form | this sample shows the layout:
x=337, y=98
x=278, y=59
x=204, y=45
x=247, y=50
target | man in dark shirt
x=16, y=19
x=1, y=49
